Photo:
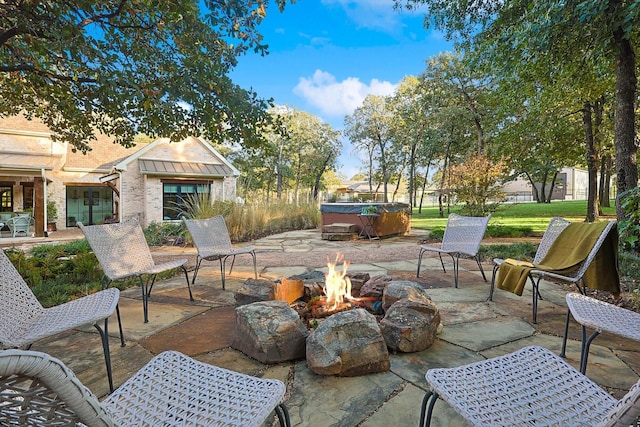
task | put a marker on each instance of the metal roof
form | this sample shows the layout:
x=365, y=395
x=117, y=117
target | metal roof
x=166, y=167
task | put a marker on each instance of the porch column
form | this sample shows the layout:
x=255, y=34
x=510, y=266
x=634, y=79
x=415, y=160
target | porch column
x=38, y=208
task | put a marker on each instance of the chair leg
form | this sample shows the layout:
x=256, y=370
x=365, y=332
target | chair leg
x=480, y=267
x=195, y=272
x=566, y=334
x=104, y=335
x=493, y=282
x=442, y=262
x=255, y=268
x=426, y=412
x=186, y=275
x=586, y=344
x=146, y=291
x=456, y=269
x=122, y=343
x=233, y=261
x=283, y=415
x=419, y=262
x=535, y=296
x=222, y=268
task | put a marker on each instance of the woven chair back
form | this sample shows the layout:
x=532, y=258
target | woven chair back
x=555, y=227
x=121, y=248
x=577, y=275
x=626, y=412
x=464, y=233
x=18, y=305
x=39, y=390
x=210, y=236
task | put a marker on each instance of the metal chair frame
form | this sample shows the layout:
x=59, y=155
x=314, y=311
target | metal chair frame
x=212, y=241
x=123, y=253
x=23, y=320
x=461, y=239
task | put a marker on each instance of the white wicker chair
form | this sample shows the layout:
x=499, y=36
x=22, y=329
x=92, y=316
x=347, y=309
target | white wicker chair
x=123, y=253
x=19, y=224
x=602, y=317
x=462, y=237
x=575, y=277
x=555, y=227
x=211, y=239
x=171, y=390
x=24, y=321
x=531, y=386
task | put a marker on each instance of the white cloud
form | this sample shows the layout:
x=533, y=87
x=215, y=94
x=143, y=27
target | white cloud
x=339, y=98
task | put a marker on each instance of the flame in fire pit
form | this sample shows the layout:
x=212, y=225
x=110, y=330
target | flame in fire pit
x=336, y=285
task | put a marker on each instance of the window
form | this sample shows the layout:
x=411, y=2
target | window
x=27, y=195
x=176, y=196
x=6, y=197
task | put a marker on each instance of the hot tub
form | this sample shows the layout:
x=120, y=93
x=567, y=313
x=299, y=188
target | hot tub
x=393, y=218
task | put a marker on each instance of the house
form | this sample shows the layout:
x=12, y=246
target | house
x=109, y=183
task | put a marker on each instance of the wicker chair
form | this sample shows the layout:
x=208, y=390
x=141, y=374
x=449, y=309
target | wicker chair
x=19, y=224
x=555, y=227
x=602, y=317
x=211, y=239
x=462, y=237
x=171, y=390
x=576, y=277
x=123, y=253
x=24, y=321
x=531, y=386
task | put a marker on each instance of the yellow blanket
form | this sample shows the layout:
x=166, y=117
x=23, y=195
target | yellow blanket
x=566, y=255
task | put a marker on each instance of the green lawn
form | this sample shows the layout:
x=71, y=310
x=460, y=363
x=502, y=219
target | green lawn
x=512, y=220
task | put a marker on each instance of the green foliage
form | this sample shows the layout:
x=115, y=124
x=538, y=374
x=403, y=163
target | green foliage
x=58, y=273
x=165, y=233
x=81, y=67
x=629, y=227
x=52, y=211
x=524, y=251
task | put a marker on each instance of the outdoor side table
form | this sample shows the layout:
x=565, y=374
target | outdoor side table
x=368, y=226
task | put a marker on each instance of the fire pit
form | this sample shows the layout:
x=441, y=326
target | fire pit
x=345, y=321
x=337, y=293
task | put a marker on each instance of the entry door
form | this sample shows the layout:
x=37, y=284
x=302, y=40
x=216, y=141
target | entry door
x=89, y=205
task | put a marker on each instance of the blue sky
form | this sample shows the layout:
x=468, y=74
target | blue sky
x=326, y=56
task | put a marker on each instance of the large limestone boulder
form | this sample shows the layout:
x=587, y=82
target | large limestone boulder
x=270, y=332
x=403, y=289
x=410, y=326
x=348, y=343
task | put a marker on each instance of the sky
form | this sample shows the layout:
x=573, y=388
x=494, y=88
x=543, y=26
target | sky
x=326, y=56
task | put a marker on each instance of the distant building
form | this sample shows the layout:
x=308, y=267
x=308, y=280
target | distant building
x=110, y=182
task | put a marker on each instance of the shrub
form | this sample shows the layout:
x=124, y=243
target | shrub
x=629, y=227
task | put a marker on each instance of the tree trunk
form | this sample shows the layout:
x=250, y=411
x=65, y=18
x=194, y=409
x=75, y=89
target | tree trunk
x=318, y=177
x=536, y=194
x=592, y=163
x=626, y=150
x=605, y=180
x=444, y=178
x=552, y=185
